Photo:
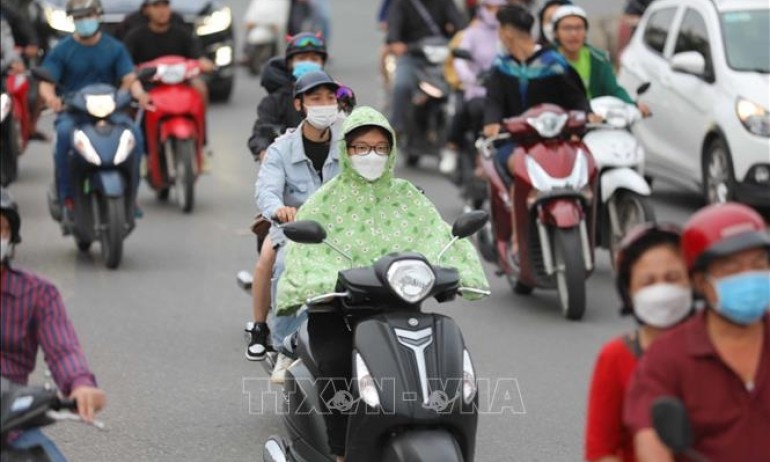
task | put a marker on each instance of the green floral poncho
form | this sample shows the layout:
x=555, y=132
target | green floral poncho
x=368, y=220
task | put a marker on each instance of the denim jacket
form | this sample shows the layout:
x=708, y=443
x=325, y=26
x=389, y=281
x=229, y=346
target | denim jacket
x=287, y=177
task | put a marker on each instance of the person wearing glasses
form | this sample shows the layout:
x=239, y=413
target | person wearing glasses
x=296, y=165
x=368, y=213
x=654, y=287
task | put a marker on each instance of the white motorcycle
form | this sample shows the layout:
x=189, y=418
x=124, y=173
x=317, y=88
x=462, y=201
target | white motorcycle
x=265, y=22
x=623, y=191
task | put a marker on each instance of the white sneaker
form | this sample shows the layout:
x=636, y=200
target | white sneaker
x=448, y=162
x=282, y=363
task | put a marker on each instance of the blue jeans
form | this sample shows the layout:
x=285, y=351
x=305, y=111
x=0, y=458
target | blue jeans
x=35, y=438
x=281, y=326
x=403, y=88
x=65, y=125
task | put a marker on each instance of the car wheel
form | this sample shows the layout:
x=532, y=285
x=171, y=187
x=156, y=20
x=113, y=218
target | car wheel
x=718, y=176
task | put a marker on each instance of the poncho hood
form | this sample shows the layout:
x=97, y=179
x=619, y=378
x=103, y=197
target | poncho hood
x=364, y=116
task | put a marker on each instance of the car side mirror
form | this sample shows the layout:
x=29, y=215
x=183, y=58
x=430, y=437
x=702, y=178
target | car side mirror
x=304, y=232
x=689, y=62
x=460, y=53
x=643, y=88
x=469, y=223
x=42, y=74
x=671, y=423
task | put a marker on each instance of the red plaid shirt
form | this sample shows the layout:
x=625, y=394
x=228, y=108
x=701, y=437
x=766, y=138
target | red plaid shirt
x=32, y=314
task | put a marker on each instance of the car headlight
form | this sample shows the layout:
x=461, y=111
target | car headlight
x=412, y=280
x=85, y=148
x=367, y=388
x=217, y=21
x=59, y=20
x=469, y=378
x=125, y=147
x=548, y=124
x=754, y=117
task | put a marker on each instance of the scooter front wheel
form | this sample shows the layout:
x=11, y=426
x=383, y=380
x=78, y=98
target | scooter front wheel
x=627, y=210
x=113, y=230
x=184, y=156
x=570, y=272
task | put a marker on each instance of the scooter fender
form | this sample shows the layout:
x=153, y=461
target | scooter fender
x=623, y=178
x=178, y=127
x=423, y=445
x=109, y=182
x=562, y=213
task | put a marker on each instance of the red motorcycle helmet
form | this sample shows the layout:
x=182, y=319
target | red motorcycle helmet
x=720, y=230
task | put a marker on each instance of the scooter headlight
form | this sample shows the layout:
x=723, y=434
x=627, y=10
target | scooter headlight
x=548, y=124
x=431, y=90
x=469, y=378
x=412, y=280
x=542, y=181
x=217, y=21
x=100, y=106
x=5, y=106
x=125, y=146
x=435, y=54
x=367, y=388
x=85, y=148
x=172, y=73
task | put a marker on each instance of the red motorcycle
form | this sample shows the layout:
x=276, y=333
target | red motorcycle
x=14, y=125
x=549, y=200
x=174, y=130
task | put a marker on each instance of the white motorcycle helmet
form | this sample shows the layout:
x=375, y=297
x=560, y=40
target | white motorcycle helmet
x=565, y=12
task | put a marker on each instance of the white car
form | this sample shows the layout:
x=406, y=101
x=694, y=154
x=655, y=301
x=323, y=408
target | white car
x=709, y=66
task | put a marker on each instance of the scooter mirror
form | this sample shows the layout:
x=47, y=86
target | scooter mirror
x=41, y=73
x=469, y=223
x=460, y=53
x=304, y=232
x=643, y=88
x=146, y=73
x=669, y=418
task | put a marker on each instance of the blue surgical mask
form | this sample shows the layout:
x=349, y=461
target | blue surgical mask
x=743, y=298
x=301, y=68
x=87, y=27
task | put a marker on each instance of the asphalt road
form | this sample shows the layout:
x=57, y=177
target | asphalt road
x=163, y=333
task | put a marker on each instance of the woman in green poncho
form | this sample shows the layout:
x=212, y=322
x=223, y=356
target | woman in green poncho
x=367, y=213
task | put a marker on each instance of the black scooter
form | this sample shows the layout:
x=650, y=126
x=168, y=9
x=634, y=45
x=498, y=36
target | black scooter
x=414, y=394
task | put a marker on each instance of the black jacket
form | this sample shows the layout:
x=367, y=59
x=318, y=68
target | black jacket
x=275, y=112
x=551, y=79
x=406, y=25
x=24, y=33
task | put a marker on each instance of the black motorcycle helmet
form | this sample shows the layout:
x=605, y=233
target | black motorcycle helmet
x=305, y=42
x=633, y=245
x=313, y=80
x=82, y=8
x=10, y=210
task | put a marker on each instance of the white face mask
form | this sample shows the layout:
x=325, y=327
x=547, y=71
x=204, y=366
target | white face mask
x=322, y=117
x=370, y=166
x=5, y=249
x=663, y=305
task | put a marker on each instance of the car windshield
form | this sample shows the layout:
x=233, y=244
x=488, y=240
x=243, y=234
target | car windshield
x=745, y=34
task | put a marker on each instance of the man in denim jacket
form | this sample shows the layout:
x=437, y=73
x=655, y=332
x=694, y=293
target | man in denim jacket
x=296, y=165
